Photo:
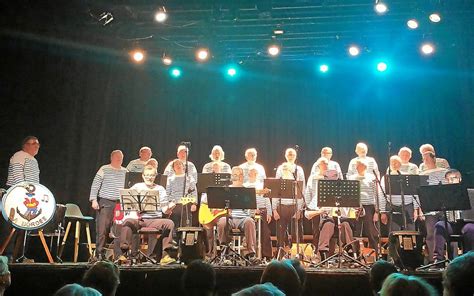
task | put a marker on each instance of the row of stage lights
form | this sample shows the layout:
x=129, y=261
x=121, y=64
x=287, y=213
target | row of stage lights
x=233, y=71
x=273, y=50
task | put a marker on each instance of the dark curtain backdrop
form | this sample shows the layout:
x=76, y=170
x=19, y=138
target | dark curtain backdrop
x=84, y=101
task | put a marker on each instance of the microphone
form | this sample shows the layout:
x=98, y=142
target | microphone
x=399, y=173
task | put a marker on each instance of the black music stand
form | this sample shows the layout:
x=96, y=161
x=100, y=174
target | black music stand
x=230, y=198
x=449, y=197
x=141, y=201
x=339, y=194
x=284, y=188
x=406, y=185
x=132, y=178
x=206, y=180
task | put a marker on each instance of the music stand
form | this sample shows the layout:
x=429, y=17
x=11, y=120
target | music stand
x=407, y=185
x=132, y=178
x=212, y=180
x=230, y=198
x=448, y=197
x=284, y=188
x=339, y=194
x=143, y=202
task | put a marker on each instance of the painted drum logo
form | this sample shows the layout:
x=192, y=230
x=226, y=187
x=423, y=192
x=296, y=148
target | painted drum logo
x=28, y=206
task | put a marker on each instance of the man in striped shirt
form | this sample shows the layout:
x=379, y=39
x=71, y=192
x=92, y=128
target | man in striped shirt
x=23, y=167
x=182, y=154
x=407, y=168
x=138, y=164
x=217, y=156
x=23, y=164
x=411, y=205
x=251, y=157
x=361, y=151
x=182, y=215
x=440, y=162
x=368, y=194
x=264, y=209
x=284, y=209
x=238, y=219
x=105, y=193
x=326, y=152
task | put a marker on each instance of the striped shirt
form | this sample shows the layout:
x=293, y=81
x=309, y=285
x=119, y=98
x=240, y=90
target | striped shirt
x=142, y=188
x=332, y=165
x=136, y=165
x=440, y=163
x=260, y=169
x=225, y=167
x=311, y=194
x=299, y=177
x=22, y=167
x=107, y=183
x=192, y=171
x=368, y=191
x=409, y=169
x=371, y=166
x=174, y=188
x=262, y=202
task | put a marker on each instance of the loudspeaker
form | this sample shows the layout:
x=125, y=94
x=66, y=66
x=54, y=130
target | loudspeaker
x=405, y=248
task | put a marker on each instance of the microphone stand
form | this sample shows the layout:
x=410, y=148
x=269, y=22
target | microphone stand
x=295, y=199
x=379, y=236
x=185, y=207
x=403, y=203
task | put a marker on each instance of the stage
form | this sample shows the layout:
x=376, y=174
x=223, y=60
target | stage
x=45, y=279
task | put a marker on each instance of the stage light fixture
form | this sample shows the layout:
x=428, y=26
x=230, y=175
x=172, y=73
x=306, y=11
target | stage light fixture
x=138, y=55
x=435, y=17
x=175, y=72
x=354, y=50
x=231, y=71
x=427, y=48
x=273, y=50
x=202, y=54
x=412, y=24
x=161, y=15
x=380, y=7
x=167, y=60
x=323, y=68
x=382, y=66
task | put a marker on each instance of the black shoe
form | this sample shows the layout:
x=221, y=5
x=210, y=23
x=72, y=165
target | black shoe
x=323, y=255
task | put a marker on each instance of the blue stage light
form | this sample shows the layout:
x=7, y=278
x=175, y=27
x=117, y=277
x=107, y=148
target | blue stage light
x=323, y=68
x=175, y=72
x=382, y=66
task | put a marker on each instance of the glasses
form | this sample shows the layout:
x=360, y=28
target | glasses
x=149, y=176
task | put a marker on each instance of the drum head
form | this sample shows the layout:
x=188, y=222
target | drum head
x=28, y=206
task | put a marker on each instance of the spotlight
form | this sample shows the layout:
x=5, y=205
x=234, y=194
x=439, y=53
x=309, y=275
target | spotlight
x=380, y=7
x=175, y=72
x=161, y=15
x=323, y=68
x=435, y=17
x=202, y=54
x=412, y=24
x=382, y=67
x=138, y=56
x=427, y=48
x=167, y=60
x=273, y=50
x=231, y=71
x=105, y=18
x=354, y=50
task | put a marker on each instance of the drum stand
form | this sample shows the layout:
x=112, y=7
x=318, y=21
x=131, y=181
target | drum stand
x=23, y=257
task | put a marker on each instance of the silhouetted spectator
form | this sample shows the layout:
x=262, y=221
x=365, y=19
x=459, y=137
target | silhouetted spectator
x=103, y=276
x=5, y=278
x=458, y=279
x=378, y=273
x=199, y=279
x=398, y=284
x=267, y=289
x=76, y=290
x=284, y=276
x=300, y=271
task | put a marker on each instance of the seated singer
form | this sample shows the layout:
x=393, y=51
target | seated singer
x=150, y=218
x=182, y=212
x=237, y=219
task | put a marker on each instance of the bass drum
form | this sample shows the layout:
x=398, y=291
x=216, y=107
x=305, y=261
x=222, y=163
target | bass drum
x=28, y=206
